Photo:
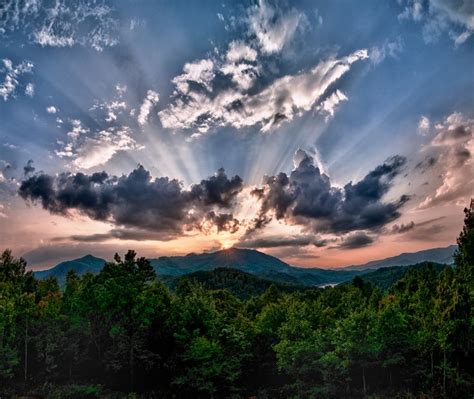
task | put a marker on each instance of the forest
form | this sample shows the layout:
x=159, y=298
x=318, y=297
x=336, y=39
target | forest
x=123, y=333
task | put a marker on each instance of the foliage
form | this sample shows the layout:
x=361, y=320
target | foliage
x=123, y=333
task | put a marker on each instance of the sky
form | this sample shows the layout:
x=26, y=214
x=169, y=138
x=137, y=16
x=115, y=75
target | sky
x=326, y=133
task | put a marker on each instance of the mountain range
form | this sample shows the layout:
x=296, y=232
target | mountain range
x=254, y=263
x=437, y=255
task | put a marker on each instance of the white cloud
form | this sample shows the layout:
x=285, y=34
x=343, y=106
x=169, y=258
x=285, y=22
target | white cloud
x=30, y=90
x=238, y=51
x=113, y=108
x=328, y=106
x=45, y=37
x=454, y=17
x=61, y=23
x=87, y=149
x=424, y=125
x=413, y=10
x=388, y=49
x=200, y=72
x=97, y=150
x=51, y=109
x=242, y=74
x=460, y=39
x=454, y=148
x=149, y=102
x=280, y=101
x=121, y=89
x=272, y=27
x=240, y=64
x=11, y=75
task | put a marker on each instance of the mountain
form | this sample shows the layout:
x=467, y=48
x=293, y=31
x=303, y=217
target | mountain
x=246, y=260
x=385, y=277
x=243, y=285
x=86, y=264
x=249, y=261
x=436, y=255
x=255, y=263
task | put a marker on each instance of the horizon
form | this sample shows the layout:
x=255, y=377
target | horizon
x=317, y=135
x=235, y=248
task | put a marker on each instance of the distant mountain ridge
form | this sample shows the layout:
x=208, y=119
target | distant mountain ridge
x=86, y=264
x=437, y=255
x=253, y=262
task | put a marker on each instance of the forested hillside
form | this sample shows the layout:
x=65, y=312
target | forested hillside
x=122, y=331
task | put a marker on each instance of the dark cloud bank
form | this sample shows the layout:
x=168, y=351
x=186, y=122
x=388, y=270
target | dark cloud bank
x=141, y=207
x=307, y=197
x=157, y=208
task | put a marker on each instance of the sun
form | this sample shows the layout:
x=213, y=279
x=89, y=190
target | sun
x=226, y=244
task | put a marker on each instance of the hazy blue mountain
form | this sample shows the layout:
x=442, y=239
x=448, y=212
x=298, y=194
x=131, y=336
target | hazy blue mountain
x=437, y=255
x=385, y=277
x=86, y=264
x=256, y=263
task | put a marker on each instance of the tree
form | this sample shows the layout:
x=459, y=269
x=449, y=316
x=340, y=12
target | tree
x=464, y=255
x=122, y=290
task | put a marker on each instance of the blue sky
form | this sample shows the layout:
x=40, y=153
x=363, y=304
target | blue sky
x=322, y=93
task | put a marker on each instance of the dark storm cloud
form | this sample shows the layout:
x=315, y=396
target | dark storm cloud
x=414, y=229
x=29, y=168
x=356, y=240
x=120, y=234
x=221, y=221
x=218, y=189
x=426, y=164
x=307, y=197
x=402, y=228
x=285, y=241
x=137, y=200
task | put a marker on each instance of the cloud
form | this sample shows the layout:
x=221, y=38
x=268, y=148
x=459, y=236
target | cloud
x=219, y=222
x=8, y=185
x=126, y=234
x=420, y=227
x=402, y=228
x=424, y=230
x=195, y=108
x=452, y=147
x=424, y=125
x=199, y=73
x=111, y=109
x=11, y=75
x=137, y=201
x=3, y=215
x=149, y=102
x=390, y=48
x=356, y=240
x=28, y=168
x=454, y=17
x=273, y=27
x=218, y=189
x=282, y=241
x=62, y=23
x=88, y=149
x=328, y=106
x=30, y=89
x=51, y=109
x=45, y=37
x=306, y=197
x=243, y=74
x=239, y=50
